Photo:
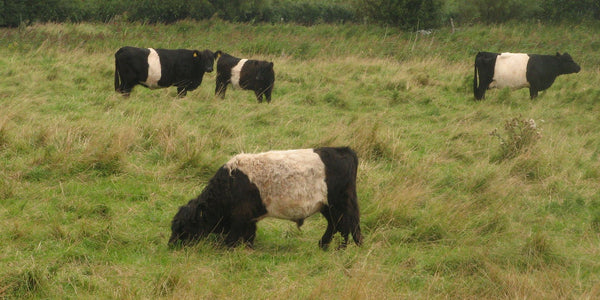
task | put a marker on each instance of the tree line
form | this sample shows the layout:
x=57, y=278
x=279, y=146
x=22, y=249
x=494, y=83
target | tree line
x=405, y=14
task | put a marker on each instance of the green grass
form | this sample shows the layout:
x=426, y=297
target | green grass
x=89, y=180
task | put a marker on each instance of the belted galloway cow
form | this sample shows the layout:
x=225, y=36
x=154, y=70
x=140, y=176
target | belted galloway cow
x=254, y=75
x=290, y=185
x=161, y=68
x=519, y=70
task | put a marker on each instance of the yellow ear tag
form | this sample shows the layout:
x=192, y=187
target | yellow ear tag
x=219, y=55
x=195, y=54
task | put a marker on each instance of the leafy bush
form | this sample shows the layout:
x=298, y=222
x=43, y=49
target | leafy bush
x=407, y=14
x=491, y=11
x=309, y=13
x=568, y=10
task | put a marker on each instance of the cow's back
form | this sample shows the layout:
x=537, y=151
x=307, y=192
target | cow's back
x=177, y=65
x=341, y=164
x=510, y=71
x=226, y=62
x=136, y=59
x=291, y=183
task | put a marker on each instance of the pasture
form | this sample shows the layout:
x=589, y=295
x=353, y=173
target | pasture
x=459, y=198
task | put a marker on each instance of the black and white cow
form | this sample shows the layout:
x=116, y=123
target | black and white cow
x=519, y=70
x=291, y=185
x=255, y=75
x=161, y=68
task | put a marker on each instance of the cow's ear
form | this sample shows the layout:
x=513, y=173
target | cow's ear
x=557, y=53
x=218, y=54
x=196, y=54
x=271, y=65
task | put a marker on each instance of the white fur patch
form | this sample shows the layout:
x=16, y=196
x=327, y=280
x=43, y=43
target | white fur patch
x=235, y=73
x=154, y=70
x=291, y=183
x=510, y=71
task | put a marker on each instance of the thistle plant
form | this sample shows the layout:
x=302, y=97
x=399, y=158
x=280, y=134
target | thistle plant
x=521, y=134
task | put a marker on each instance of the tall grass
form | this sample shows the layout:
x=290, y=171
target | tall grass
x=89, y=181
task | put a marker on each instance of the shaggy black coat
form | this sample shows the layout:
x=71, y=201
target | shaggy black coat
x=231, y=205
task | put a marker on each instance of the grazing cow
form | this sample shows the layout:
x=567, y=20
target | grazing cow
x=255, y=75
x=161, y=68
x=519, y=70
x=291, y=185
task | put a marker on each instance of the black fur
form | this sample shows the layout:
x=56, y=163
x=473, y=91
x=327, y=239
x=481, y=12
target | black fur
x=256, y=75
x=541, y=72
x=181, y=68
x=342, y=213
x=484, y=67
x=230, y=205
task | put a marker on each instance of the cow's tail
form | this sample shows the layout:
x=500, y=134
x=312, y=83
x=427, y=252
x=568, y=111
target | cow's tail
x=355, y=230
x=117, y=81
x=354, y=216
x=475, y=89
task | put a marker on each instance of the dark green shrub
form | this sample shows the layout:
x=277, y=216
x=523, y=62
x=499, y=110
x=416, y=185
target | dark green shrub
x=164, y=11
x=238, y=10
x=13, y=13
x=491, y=11
x=569, y=10
x=407, y=14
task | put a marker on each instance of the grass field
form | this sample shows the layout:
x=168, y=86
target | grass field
x=459, y=199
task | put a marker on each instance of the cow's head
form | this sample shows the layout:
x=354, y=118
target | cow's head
x=205, y=60
x=264, y=71
x=188, y=225
x=567, y=65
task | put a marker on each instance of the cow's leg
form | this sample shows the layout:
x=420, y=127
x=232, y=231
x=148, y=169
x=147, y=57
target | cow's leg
x=125, y=92
x=249, y=235
x=479, y=94
x=181, y=91
x=233, y=237
x=125, y=88
x=220, y=88
x=484, y=83
x=241, y=230
x=268, y=95
x=259, y=96
x=356, y=233
x=128, y=79
x=345, y=227
x=352, y=215
x=349, y=225
x=533, y=92
x=345, y=222
x=328, y=235
x=344, y=232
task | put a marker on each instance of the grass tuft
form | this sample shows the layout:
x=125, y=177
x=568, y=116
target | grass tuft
x=27, y=281
x=539, y=251
x=167, y=283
